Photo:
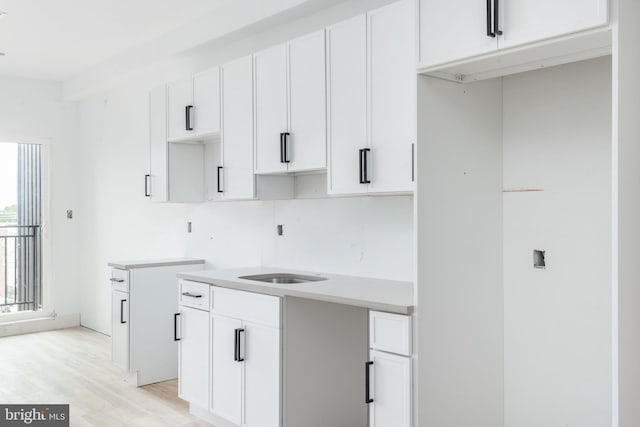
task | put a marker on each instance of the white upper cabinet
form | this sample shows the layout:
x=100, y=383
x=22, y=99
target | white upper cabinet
x=525, y=21
x=371, y=101
x=451, y=30
x=179, y=99
x=456, y=30
x=156, y=182
x=271, y=109
x=206, y=102
x=194, y=106
x=347, y=103
x=235, y=179
x=392, y=94
x=307, y=144
x=290, y=106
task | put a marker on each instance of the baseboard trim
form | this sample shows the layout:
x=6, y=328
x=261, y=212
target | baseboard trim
x=19, y=327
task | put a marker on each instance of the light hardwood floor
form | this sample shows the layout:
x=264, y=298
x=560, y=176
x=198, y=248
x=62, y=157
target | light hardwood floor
x=74, y=366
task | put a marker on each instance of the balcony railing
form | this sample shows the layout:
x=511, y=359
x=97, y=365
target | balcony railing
x=20, y=268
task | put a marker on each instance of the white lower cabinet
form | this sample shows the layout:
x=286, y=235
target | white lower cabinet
x=193, y=355
x=226, y=369
x=230, y=355
x=245, y=365
x=390, y=390
x=388, y=371
x=120, y=329
x=261, y=376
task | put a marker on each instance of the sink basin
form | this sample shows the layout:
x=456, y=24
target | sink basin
x=283, y=278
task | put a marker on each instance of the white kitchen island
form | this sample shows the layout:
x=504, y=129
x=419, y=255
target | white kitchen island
x=330, y=352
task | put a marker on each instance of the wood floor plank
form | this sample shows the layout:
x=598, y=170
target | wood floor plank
x=74, y=366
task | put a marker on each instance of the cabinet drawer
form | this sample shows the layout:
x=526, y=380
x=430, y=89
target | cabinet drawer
x=248, y=306
x=390, y=332
x=194, y=294
x=120, y=279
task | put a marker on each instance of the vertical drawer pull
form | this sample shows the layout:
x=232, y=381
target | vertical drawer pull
x=175, y=326
x=367, y=382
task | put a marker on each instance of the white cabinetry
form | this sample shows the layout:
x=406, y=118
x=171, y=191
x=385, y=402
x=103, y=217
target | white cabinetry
x=460, y=29
x=120, y=329
x=180, y=171
x=143, y=309
x=391, y=390
x=226, y=369
x=290, y=106
x=194, y=106
x=235, y=175
x=193, y=345
x=388, y=371
x=526, y=21
x=156, y=182
x=245, y=358
x=371, y=101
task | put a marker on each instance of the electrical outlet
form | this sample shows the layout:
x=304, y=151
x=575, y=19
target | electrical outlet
x=69, y=214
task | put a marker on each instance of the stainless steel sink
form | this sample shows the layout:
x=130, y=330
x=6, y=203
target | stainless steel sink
x=283, y=278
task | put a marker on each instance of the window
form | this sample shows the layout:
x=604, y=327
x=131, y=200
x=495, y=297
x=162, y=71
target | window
x=20, y=228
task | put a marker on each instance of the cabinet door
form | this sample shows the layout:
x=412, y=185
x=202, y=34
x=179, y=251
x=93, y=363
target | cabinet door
x=206, y=102
x=525, y=21
x=347, y=103
x=308, y=140
x=392, y=95
x=179, y=96
x=158, y=144
x=193, y=363
x=237, y=179
x=120, y=329
x=391, y=388
x=451, y=30
x=270, y=72
x=226, y=372
x=262, y=376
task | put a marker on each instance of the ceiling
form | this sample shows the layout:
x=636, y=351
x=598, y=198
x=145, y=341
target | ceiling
x=56, y=40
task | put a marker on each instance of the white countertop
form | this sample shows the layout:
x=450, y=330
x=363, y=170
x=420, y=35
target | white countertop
x=128, y=265
x=376, y=294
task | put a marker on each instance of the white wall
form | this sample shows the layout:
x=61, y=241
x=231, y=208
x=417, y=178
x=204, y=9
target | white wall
x=32, y=109
x=362, y=236
x=557, y=137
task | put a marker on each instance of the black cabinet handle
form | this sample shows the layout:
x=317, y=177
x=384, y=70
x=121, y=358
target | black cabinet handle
x=115, y=279
x=281, y=147
x=146, y=185
x=122, y=301
x=284, y=147
x=220, y=188
x=361, y=160
x=413, y=162
x=175, y=326
x=187, y=117
x=367, y=381
x=236, y=346
x=240, y=346
x=496, y=17
x=489, y=32
x=189, y=294
x=364, y=161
